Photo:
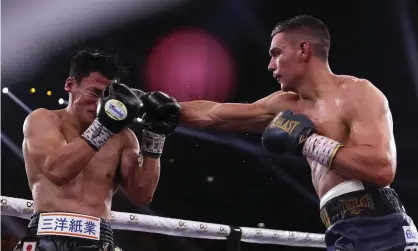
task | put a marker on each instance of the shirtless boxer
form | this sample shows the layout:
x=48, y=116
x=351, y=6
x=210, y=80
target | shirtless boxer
x=341, y=124
x=76, y=157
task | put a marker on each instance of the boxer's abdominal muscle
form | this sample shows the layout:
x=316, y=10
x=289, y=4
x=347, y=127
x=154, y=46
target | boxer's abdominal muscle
x=327, y=117
x=89, y=193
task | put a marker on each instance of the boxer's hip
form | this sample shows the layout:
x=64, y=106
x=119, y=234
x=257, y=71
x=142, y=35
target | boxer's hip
x=68, y=231
x=361, y=217
x=353, y=199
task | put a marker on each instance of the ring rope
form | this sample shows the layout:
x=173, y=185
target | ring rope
x=177, y=227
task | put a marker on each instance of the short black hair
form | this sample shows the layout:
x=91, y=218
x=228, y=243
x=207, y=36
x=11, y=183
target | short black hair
x=311, y=26
x=94, y=60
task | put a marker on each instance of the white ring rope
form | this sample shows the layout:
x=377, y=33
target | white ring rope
x=176, y=227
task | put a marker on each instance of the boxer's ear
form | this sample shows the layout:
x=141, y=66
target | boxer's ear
x=305, y=50
x=69, y=84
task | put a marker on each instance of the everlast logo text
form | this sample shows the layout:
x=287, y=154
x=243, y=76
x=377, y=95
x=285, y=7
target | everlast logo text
x=286, y=125
x=350, y=206
x=356, y=205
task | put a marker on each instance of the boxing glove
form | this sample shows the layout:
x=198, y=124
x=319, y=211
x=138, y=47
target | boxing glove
x=287, y=132
x=138, y=93
x=161, y=118
x=118, y=106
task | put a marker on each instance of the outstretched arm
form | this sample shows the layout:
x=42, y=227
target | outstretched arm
x=371, y=157
x=233, y=116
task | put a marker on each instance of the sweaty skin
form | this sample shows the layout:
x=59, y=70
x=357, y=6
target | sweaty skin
x=66, y=174
x=344, y=108
x=353, y=112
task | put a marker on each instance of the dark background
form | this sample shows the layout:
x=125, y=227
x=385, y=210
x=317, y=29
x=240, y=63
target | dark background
x=368, y=41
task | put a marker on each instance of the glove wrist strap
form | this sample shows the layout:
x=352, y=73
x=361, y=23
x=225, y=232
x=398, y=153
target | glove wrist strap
x=97, y=135
x=152, y=143
x=321, y=149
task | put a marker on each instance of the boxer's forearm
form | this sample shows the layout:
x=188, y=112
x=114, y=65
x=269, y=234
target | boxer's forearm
x=145, y=181
x=66, y=162
x=197, y=114
x=225, y=116
x=365, y=163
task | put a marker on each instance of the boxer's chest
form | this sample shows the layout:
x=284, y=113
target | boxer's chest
x=103, y=166
x=328, y=119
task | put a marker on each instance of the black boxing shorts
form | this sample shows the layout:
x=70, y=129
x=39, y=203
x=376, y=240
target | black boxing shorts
x=59, y=231
x=364, y=218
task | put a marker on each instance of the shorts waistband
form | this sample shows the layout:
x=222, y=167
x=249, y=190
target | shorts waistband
x=340, y=189
x=367, y=202
x=71, y=225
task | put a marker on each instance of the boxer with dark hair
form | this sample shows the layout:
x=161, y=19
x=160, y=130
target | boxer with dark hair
x=73, y=156
x=341, y=124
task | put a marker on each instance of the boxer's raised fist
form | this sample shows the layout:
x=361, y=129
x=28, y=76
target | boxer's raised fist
x=139, y=93
x=161, y=118
x=287, y=132
x=118, y=107
x=162, y=112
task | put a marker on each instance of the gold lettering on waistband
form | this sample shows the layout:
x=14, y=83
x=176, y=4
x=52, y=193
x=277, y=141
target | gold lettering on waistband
x=349, y=206
x=356, y=205
x=286, y=125
x=325, y=217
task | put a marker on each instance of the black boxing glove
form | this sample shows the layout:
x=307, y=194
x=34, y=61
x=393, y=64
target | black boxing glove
x=140, y=94
x=161, y=118
x=295, y=133
x=118, y=107
x=287, y=132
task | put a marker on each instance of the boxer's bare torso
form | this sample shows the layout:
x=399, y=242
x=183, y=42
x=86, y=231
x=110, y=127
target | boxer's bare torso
x=333, y=115
x=328, y=116
x=91, y=191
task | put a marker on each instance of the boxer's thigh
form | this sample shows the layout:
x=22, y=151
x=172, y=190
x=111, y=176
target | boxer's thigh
x=371, y=233
x=390, y=234
x=334, y=241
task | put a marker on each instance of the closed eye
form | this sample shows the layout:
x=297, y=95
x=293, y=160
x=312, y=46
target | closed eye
x=95, y=92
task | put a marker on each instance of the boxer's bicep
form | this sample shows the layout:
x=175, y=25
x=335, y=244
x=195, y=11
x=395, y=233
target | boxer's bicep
x=42, y=135
x=370, y=120
x=369, y=154
x=370, y=123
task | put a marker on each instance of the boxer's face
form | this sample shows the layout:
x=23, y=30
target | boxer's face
x=85, y=95
x=285, y=63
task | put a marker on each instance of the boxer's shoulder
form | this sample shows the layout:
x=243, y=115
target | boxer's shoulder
x=358, y=87
x=279, y=101
x=289, y=96
x=359, y=94
x=44, y=113
x=41, y=115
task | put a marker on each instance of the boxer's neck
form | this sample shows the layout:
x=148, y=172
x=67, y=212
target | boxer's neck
x=316, y=82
